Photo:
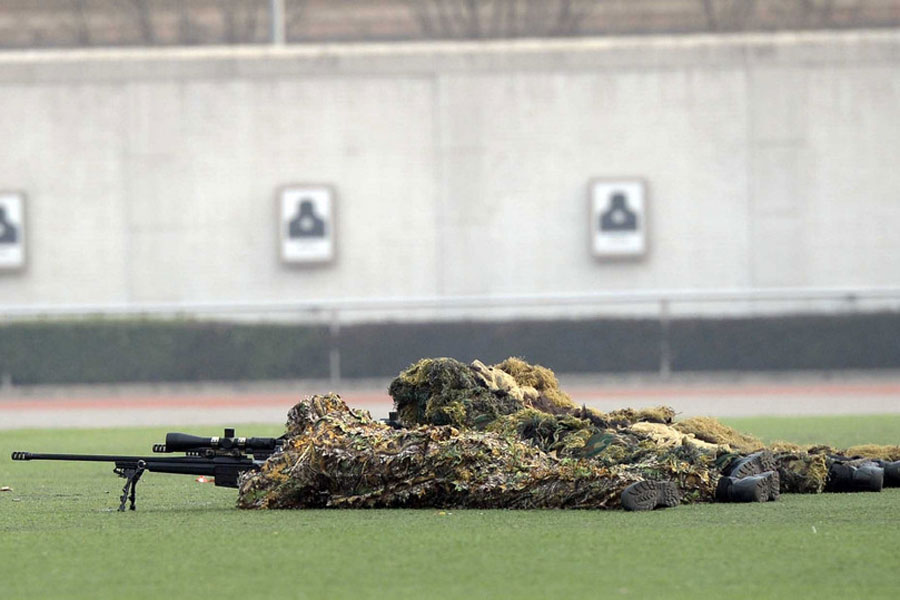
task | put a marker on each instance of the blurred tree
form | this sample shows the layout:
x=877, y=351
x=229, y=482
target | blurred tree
x=146, y=34
x=748, y=15
x=82, y=30
x=500, y=18
x=729, y=15
x=67, y=23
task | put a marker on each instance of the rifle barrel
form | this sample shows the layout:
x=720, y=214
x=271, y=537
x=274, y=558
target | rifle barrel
x=149, y=460
x=78, y=457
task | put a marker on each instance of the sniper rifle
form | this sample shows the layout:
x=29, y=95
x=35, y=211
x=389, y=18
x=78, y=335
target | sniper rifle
x=223, y=458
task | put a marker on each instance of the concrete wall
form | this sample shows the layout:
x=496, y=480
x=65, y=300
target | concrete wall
x=771, y=160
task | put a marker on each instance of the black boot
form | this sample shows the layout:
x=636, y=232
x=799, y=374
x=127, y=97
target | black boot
x=844, y=477
x=774, y=486
x=891, y=472
x=753, y=464
x=647, y=495
x=753, y=488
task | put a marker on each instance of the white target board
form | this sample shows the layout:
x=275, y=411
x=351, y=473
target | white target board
x=618, y=213
x=306, y=223
x=12, y=230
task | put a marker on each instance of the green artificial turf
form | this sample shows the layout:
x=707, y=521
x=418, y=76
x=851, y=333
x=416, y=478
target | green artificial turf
x=60, y=537
x=836, y=431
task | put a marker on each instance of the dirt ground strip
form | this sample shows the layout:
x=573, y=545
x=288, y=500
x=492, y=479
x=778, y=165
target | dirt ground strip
x=746, y=395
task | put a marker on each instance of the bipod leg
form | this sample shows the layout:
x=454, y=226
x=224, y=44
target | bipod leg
x=125, y=491
x=131, y=475
x=134, y=480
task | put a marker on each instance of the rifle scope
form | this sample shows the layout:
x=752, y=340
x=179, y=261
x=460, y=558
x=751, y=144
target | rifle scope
x=183, y=442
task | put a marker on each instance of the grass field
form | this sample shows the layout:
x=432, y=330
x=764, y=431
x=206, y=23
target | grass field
x=60, y=537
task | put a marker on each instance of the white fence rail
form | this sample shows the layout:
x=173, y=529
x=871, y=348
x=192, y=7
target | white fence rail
x=329, y=309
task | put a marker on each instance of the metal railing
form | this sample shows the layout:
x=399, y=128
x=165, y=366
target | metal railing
x=663, y=299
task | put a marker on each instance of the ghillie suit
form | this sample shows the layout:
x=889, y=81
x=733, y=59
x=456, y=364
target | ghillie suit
x=483, y=441
x=514, y=397
x=523, y=402
x=802, y=469
x=337, y=457
x=506, y=436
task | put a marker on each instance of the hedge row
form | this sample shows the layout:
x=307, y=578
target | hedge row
x=802, y=342
x=108, y=351
x=566, y=346
x=113, y=351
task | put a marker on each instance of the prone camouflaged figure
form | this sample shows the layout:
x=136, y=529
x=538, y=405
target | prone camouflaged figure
x=506, y=436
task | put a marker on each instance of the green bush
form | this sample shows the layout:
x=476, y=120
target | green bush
x=567, y=346
x=108, y=351
x=860, y=341
x=113, y=351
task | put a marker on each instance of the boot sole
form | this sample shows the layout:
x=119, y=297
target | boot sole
x=647, y=495
x=754, y=464
x=761, y=490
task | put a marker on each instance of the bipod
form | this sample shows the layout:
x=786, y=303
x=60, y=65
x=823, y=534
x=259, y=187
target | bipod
x=131, y=475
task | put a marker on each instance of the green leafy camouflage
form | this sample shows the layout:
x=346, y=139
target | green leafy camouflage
x=339, y=457
x=501, y=436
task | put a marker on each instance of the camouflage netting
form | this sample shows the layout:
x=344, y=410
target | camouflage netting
x=503, y=436
x=710, y=430
x=338, y=457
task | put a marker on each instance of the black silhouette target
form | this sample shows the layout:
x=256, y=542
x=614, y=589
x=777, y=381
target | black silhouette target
x=307, y=224
x=618, y=218
x=12, y=230
x=9, y=231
